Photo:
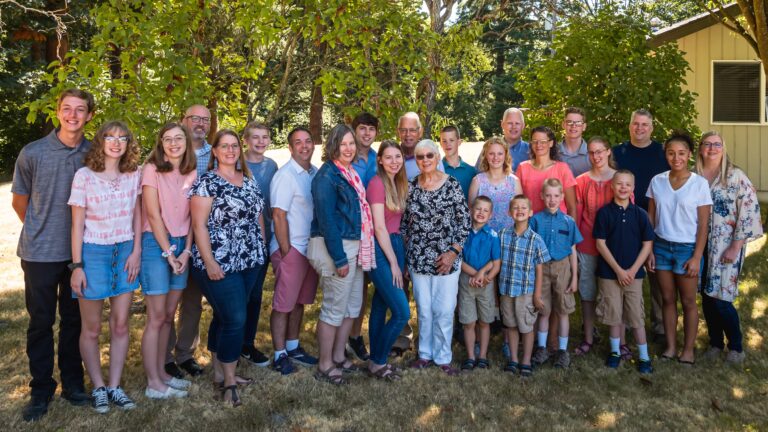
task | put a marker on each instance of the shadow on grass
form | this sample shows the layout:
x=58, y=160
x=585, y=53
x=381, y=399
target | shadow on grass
x=587, y=396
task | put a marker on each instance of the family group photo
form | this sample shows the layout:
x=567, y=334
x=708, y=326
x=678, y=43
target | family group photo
x=386, y=216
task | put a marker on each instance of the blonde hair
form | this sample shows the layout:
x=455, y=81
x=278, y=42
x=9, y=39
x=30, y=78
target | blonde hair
x=507, y=166
x=396, y=190
x=552, y=183
x=725, y=164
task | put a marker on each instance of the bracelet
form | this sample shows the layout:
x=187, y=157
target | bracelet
x=186, y=251
x=169, y=252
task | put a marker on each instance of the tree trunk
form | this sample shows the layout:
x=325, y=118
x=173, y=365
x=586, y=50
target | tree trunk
x=213, y=105
x=316, y=115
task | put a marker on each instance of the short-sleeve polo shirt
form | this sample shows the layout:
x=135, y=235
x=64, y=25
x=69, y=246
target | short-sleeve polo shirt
x=624, y=231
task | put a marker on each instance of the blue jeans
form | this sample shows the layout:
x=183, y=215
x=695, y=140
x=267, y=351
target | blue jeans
x=253, y=309
x=228, y=297
x=722, y=318
x=382, y=334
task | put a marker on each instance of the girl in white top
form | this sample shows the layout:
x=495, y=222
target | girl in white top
x=106, y=253
x=679, y=203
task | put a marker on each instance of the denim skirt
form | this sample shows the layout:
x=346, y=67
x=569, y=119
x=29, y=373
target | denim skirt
x=105, y=274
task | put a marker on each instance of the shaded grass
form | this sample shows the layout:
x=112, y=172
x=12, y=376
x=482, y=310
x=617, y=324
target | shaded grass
x=711, y=396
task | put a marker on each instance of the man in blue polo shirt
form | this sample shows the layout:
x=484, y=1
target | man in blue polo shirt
x=512, y=126
x=644, y=157
x=573, y=148
x=42, y=182
x=624, y=237
x=450, y=140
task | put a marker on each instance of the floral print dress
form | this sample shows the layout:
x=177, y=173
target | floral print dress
x=500, y=194
x=735, y=216
x=237, y=242
x=433, y=220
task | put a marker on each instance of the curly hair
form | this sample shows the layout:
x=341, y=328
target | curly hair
x=507, y=166
x=129, y=161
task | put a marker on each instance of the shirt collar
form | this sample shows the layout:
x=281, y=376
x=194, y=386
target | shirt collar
x=485, y=228
x=618, y=207
x=550, y=214
x=55, y=143
x=205, y=149
x=581, y=151
x=298, y=169
x=461, y=164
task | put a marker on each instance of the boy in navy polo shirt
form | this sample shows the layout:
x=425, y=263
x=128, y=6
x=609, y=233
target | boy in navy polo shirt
x=560, y=277
x=624, y=238
x=480, y=265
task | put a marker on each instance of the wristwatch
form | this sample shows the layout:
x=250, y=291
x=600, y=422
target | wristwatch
x=75, y=265
x=454, y=250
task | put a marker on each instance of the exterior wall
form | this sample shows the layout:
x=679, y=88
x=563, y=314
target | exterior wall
x=747, y=143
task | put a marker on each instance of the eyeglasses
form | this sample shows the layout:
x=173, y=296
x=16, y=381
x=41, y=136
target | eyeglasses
x=113, y=139
x=228, y=146
x=179, y=139
x=421, y=157
x=574, y=122
x=198, y=119
x=540, y=142
x=596, y=152
x=408, y=130
x=716, y=144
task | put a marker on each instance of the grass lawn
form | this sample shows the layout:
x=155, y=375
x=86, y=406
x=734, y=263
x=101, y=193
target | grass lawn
x=710, y=396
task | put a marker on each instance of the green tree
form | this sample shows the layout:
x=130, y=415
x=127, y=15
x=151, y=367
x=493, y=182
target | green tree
x=603, y=64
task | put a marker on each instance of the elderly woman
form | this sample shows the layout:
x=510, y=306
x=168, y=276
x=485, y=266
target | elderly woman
x=435, y=225
x=228, y=223
x=734, y=221
x=341, y=248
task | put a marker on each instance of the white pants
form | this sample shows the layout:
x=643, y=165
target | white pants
x=435, y=303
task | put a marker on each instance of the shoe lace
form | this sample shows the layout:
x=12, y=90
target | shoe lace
x=119, y=396
x=100, y=397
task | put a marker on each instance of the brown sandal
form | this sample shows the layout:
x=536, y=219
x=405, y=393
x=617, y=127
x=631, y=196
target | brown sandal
x=385, y=373
x=326, y=376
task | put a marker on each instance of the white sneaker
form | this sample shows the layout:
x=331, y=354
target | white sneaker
x=178, y=384
x=168, y=394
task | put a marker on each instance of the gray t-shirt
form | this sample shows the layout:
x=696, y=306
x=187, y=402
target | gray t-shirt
x=44, y=171
x=263, y=172
x=578, y=162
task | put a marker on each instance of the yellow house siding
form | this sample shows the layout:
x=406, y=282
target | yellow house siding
x=747, y=144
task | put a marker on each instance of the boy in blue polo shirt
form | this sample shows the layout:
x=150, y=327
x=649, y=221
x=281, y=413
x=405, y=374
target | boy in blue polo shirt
x=523, y=254
x=559, y=276
x=450, y=140
x=480, y=265
x=624, y=238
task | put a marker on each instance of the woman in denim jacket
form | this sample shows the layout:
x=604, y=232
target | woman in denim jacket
x=340, y=249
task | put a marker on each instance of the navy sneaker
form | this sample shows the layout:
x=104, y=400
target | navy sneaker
x=283, y=364
x=301, y=357
x=613, y=361
x=254, y=356
x=644, y=367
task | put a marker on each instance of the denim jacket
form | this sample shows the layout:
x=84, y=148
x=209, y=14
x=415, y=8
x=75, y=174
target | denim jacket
x=337, y=211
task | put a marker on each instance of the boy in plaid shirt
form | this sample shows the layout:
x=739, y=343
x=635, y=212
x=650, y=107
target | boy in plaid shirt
x=523, y=254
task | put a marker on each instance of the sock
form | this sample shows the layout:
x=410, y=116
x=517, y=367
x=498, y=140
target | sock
x=615, y=343
x=291, y=344
x=562, y=342
x=643, y=352
x=541, y=338
x=277, y=353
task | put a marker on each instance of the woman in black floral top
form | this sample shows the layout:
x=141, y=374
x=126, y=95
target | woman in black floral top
x=435, y=225
x=228, y=226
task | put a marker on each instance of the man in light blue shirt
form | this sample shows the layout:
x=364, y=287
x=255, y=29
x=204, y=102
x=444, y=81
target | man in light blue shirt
x=512, y=126
x=366, y=127
x=573, y=148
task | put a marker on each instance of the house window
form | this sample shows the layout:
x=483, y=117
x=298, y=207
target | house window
x=736, y=95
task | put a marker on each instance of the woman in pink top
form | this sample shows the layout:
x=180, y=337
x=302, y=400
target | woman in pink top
x=106, y=253
x=544, y=165
x=166, y=245
x=386, y=194
x=593, y=191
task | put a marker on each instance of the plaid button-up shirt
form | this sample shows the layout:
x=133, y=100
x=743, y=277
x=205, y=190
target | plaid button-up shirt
x=519, y=256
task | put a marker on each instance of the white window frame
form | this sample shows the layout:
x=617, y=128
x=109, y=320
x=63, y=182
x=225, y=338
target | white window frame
x=763, y=106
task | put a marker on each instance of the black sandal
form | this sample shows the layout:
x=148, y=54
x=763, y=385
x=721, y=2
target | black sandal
x=326, y=376
x=234, y=397
x=468, y=365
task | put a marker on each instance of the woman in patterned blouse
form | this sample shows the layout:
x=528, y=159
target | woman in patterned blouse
x=735, y=220
x=228, y=226
x=435, y=225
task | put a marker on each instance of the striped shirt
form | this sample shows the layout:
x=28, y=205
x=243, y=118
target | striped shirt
x=519, y=256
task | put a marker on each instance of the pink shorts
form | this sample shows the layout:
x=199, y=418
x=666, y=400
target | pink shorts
x=295, y=281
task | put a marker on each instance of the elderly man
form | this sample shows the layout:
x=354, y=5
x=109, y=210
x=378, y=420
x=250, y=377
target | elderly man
x=512, y=126
x=410, y=131
x=645, y=158
x=197, y=119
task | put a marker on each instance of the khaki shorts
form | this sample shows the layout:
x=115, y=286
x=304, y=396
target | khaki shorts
x=342, y=297
x=518, y=312
x=555, y=280
x=587, y=277
x=618, y=305
x=476, y=303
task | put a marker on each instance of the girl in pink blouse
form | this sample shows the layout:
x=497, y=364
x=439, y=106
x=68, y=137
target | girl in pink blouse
x=166, y=244
x=106, y=253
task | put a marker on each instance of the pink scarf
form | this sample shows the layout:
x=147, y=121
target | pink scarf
x=366, y=257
